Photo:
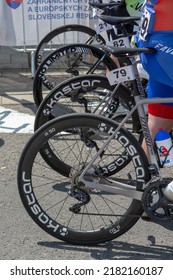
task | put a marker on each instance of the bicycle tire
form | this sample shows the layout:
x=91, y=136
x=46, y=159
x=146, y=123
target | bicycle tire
x=66, y=62
x=89, y=94
x=52, y=35
x=52, y=201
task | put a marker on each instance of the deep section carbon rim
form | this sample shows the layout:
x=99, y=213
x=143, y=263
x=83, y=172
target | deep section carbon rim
x=83, y=94
x=72, y=212
x=66, y=62
x=64, y=35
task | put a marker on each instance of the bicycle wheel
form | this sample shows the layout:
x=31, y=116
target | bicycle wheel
x=66, y=62
x=84, y=94
x=71, y=211
x=64, y=35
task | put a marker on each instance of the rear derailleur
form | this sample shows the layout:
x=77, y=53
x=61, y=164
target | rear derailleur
x=77, y=190
x=80, y=195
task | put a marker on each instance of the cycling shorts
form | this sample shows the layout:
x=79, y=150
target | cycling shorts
x=160, y=69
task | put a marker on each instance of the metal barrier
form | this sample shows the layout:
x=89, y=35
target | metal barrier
x=25, y=23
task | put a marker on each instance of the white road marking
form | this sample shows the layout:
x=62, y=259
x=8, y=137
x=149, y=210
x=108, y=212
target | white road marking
x=12, y=121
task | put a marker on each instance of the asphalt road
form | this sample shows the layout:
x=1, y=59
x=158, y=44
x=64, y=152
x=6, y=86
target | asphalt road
x=22, y=239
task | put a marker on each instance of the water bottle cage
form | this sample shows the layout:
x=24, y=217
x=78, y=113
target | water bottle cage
x=162, y=165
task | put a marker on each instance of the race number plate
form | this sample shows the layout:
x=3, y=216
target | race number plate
x=147, y=23
x=120, y=42
x=120, y=75
x=102, y=26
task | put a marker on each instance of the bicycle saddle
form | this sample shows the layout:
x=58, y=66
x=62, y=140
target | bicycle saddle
x=122, y=52
x=114, y=20
x=106, y=5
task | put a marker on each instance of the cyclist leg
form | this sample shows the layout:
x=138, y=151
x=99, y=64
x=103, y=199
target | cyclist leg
x=159, y=68
x=154, y=124
x=159, y=115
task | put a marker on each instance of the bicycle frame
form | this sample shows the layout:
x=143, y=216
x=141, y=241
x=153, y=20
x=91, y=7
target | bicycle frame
x=124, y=39
x=112, y=185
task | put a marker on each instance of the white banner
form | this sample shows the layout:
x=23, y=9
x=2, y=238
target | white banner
x=26, y=22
